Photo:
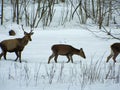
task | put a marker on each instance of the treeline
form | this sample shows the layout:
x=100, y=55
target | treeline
x=35, y=12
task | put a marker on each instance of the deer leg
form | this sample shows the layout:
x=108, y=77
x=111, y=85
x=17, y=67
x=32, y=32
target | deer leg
x=114, y=57
x=5, y=55
x=71, y=58
x=68, y=59
x=50, y=58
x=56, y=56
x=20, y=56
x=1, y=54
x=110, y=56
x=16, y=55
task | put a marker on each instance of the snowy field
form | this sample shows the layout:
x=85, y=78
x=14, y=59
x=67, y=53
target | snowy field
x=34, y=73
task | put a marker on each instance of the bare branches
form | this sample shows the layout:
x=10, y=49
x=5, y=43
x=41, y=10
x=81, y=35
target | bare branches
x=110, y=34
x=23, y=28
x=41, y=12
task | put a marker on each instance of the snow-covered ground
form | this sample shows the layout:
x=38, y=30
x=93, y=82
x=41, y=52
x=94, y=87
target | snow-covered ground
x=34, y=73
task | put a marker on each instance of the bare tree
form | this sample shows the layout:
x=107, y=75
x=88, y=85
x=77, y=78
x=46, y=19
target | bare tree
x=13, y=2
x=17, y=2
x=2, y=12
x=93, y=8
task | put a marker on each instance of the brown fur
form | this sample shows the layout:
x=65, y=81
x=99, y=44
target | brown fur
x=15, y=45
x=66, y=50
x=115, y=50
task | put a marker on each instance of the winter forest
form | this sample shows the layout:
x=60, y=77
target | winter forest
x=89, y=29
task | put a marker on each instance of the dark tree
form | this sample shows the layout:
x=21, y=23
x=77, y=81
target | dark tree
x=2, y=13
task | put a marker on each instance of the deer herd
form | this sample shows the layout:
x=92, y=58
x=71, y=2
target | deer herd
x=17, y=45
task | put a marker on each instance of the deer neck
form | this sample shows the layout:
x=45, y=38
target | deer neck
x=24, y=41
x=76, y=51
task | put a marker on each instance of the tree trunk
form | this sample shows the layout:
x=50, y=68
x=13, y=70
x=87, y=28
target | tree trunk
x=93, y=9
x=100, y=14
x=2, y=13
x=110, y=12
x=17, y=1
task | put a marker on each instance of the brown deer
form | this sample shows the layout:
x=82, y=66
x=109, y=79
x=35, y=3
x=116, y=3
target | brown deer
x=115, y=50
x=66, y=50
x=15, y=45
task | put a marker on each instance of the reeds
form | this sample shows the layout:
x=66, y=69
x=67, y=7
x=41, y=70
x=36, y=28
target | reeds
x=82, y=73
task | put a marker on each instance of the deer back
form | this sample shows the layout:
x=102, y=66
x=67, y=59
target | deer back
x=61, y=49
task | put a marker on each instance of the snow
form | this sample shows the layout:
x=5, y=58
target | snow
x=34, y=73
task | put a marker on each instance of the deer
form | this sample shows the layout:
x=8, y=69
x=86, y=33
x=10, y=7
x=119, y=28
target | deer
x=115, y=50
x=15, y=45
x=65, y=50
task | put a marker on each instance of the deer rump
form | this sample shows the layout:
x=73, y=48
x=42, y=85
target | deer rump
x=115, y=50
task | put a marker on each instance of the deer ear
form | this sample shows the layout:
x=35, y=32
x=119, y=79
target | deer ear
x=25, y=33
x=81, y=49
x=32, y=33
